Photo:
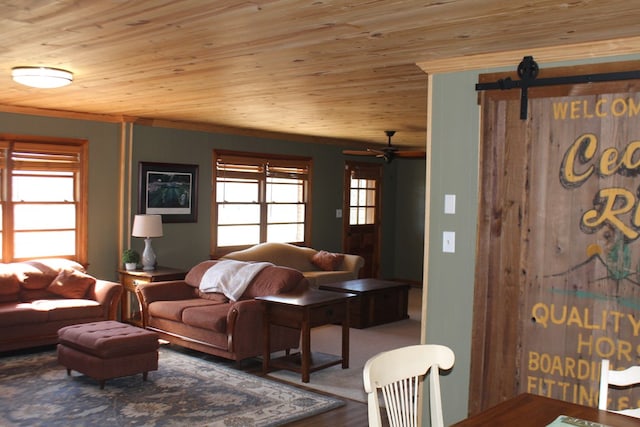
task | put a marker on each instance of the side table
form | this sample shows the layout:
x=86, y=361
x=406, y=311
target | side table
x=305, y=311
x=131, y=278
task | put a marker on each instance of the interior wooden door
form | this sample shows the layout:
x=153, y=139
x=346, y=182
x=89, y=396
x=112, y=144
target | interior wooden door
x=558, y=260
x=362, y=218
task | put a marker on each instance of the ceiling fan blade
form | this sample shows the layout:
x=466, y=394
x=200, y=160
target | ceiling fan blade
x=377, y=152
x=358, y=153
x=411, y=154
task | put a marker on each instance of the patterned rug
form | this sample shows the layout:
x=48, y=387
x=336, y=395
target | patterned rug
x=186, y=390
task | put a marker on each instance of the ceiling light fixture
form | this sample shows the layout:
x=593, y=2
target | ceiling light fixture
x=41, y=77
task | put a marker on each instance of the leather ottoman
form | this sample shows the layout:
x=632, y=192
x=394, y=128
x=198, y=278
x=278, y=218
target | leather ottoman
x=106, y=350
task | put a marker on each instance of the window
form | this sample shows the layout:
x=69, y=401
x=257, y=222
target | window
x=362, y=201
x=43, y=207
x=259, y=198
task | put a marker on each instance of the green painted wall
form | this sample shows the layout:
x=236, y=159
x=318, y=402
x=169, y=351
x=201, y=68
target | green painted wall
x=454, y=170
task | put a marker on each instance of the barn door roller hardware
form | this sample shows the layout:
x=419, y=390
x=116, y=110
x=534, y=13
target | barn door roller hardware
x=528, y=73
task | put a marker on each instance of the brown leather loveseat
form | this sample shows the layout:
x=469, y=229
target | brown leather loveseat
x=39, y=297
x=183, y=314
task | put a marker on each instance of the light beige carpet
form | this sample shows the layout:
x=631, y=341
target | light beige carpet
x=364, y=343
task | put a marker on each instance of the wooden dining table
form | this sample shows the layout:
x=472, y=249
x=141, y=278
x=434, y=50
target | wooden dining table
x=530, y=410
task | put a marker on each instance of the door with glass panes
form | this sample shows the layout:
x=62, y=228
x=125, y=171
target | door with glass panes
x=362, y=220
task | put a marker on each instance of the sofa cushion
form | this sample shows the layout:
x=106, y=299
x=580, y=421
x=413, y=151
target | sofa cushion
x=327, y=261
x=51, y=266
x=30, y=277
x=173, y=310
x=66, y=309
x=194, y=276
x=9, y=286
x=30, y=295
x=18, y=313
x=212, y=317
x=213, y=296
x=71, y=284
x=273, y=280
x=283, y=254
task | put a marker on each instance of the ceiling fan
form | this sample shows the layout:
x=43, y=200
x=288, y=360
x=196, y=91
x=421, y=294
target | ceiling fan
x=389, y=152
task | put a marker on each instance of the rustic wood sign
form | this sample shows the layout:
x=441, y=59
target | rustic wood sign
x=558, y=271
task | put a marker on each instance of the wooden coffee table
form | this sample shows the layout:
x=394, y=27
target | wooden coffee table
x=376, y=302
x=305, y=311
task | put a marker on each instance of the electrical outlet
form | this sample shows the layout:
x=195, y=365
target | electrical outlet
x=448, y=241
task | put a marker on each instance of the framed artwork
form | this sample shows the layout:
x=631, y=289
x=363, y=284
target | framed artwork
x=170, y=190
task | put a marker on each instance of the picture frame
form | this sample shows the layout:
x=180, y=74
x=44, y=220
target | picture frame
x=168, y=189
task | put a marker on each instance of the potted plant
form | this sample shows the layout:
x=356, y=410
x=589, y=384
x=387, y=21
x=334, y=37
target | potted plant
x=130, y=258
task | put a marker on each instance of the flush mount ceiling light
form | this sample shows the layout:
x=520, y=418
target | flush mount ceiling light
x=41, y=77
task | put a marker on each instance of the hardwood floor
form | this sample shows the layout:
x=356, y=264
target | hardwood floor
x=351, y=414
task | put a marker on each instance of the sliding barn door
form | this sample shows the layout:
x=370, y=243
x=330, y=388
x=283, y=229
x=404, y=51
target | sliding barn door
x=558, y=264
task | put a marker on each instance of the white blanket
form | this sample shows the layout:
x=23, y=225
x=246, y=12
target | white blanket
x=230, y=277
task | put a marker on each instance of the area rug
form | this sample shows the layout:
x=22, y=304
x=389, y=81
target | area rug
x=36, y=391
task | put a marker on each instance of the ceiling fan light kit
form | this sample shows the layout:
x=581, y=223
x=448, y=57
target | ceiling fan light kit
x=389, y=152
x=42, y=77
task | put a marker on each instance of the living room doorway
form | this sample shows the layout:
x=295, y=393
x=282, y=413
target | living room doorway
x=361, y=219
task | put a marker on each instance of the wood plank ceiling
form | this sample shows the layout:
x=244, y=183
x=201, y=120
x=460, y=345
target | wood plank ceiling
x=325, y=71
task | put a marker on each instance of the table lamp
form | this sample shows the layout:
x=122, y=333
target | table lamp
x=147, y=226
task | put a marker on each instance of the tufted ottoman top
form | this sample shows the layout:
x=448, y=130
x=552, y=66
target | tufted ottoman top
x=108, y=339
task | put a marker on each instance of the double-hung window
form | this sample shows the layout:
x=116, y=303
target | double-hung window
x=259, y=198
x=43, y=191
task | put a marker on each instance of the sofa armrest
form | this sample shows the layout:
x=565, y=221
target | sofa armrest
x=164, y=291
x=244, y=316
x=352, y=263
x=108, y=295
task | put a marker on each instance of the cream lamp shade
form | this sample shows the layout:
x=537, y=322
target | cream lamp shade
x=147, y=226
x=41, y=77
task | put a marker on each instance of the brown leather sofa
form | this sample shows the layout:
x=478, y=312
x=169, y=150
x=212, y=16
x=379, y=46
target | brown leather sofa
x=39, y=297
x=211, y=322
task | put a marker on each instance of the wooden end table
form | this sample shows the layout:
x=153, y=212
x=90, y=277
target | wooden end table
x=377, y=301
x=132, y=278
x=305, y=311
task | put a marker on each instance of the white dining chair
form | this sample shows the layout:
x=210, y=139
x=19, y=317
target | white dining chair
x=609, y=377
x=398, y=373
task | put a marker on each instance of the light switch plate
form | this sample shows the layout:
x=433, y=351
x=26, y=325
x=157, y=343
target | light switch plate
x=450, y=204
x=448, y=241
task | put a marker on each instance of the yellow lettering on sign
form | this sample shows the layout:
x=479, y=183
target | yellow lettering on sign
x=576, y=393
x=581, y=151
x=585, y=109
x=563, y=366
x=580, y=163
x=613, y=203
x=583, y=318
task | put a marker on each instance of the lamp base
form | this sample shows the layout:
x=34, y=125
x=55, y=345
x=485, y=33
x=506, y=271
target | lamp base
x=148, y=256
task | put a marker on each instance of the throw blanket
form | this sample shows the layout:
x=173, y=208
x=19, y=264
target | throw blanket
x=230, y=277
